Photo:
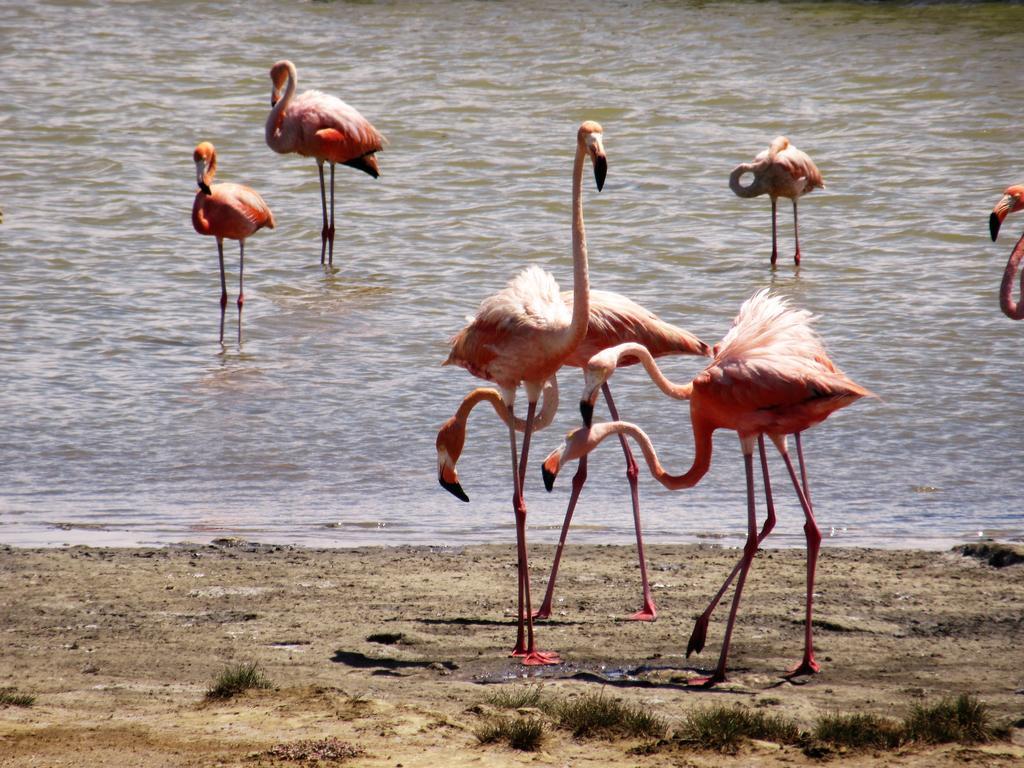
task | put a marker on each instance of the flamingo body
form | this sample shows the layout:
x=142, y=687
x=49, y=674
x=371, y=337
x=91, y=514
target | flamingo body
x=782, y=170
x=232, y=211
x=770, y=376
x=318, y=125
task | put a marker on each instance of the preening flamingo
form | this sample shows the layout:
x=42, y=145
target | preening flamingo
x=233, y=211
x=782, y=170
x=523, y=335
x=321, y=126
x=770, y=376
x=1011, y=201
x=613, y=319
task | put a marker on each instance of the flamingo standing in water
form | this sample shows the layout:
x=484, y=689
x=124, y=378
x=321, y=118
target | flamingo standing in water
x=782, y=170
x=1011, y=201
x=770, y=376
x=234, y=211
x=613, y=320
x=523, y=335
x=318, y=125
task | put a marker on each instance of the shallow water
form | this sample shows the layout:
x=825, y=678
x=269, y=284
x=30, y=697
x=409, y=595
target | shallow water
x=123, y=421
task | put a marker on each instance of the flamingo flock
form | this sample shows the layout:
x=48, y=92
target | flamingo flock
x=769, y=376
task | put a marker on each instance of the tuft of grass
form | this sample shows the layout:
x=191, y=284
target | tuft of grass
x=595, y=714
x=523, y=733
x=517, y=697
x=725, y=729
x=237, y=679
x=11, y=698
x=964, y=720
x=859, y=731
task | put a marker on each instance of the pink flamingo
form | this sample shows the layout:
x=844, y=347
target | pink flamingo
x=782, y=170
x=613, y=319
x=522, y=335
x=770, y=376
x=315, y=124
x=234, y=211
x=1011, y=201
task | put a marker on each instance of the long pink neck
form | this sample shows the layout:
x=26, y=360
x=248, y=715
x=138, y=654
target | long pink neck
x=273, y=132
x=670, y=388
x=755, y=188
x=580, y=274
x=548, y=407
x=1012, y=309
x=701, y=459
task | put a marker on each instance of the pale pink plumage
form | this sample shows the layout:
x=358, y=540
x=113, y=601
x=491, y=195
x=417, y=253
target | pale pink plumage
x=321, y=126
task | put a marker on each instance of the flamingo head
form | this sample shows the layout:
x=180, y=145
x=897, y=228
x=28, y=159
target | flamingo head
x=591, y=137
x=205, y=158
x=599, y=369
x=450, y=439
x=279, y=74
x=1011, y=202
x=573, y=447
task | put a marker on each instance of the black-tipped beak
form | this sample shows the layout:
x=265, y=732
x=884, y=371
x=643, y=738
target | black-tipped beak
x=205, y=188
x=549, y=478
x=587, y=412
x=273, y=100
x=600, y=170
x=993, y=225
x=455, y=489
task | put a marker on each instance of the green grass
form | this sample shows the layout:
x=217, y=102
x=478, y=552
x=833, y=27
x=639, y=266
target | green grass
x=725, y=729
x=523, y=733
x=962, y=720
x=516, y=697
x=237, y=679
x=859, y=731
x=597, y=715
x=11, y=698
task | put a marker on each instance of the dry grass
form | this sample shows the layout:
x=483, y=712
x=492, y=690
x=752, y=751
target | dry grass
x=237, y=679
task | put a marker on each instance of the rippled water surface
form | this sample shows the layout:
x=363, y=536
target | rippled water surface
x=122, y=420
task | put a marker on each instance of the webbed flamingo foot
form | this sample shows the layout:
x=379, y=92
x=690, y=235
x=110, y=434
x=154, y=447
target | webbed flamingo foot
x=806, y=667
x=647, y=613
x=707, y=682
x=537, y=658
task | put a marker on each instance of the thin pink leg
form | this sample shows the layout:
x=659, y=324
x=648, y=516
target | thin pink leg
x=803, y=467
x=775, y=249
x=808, y=666
x=544, y=612
x=528, y=652
x=241, y=285
x=648, y=612
x=749, y=550
x=330, y=229
x=796, y=231
x=700, y=629
x=223, y=286
x=323, y=207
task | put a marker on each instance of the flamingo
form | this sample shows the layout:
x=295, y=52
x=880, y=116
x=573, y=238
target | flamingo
x=782, y=170
x=770, y=376
x=318, y=125
x=613, y=319
x=234, y=211
x=1011, y=201
x=522, y=335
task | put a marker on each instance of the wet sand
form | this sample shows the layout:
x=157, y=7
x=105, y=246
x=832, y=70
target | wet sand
x=394, y=650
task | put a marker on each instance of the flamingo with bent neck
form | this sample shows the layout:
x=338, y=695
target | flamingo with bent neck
x=318, y=125
x=782, y=170
x=613, y=319
x=522, y=335
x=770, y=376
x=1011, y=202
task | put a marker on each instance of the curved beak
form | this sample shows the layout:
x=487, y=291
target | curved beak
x=275, y=96
x=454, y=489
x=549, y=469
x=1002, y=208
x=201, y=177
x=600, y=169
x=587, y=412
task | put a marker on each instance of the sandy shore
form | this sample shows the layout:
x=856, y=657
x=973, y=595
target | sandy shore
x=119, y=646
